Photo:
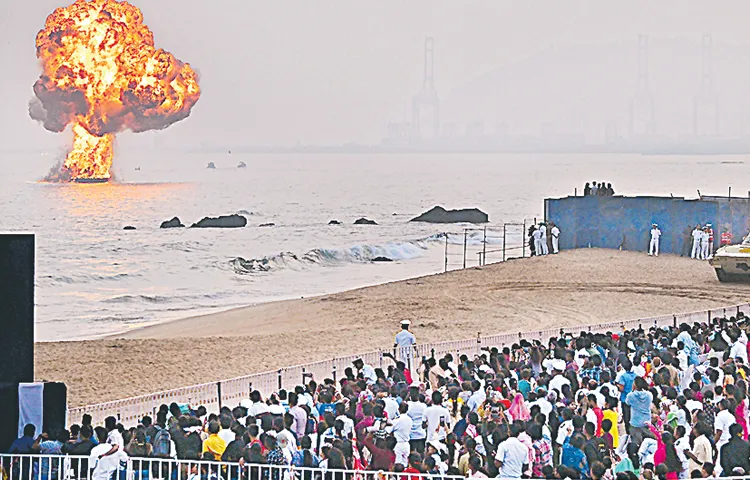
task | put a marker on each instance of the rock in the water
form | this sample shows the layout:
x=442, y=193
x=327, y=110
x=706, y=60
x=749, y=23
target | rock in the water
x=225, y=221
x=211, y=165
x=382, y=259
x=364, y=221
x=129, y=227
x=174, y=223
x=267, y=225
x=334, y=222
x=440, y=215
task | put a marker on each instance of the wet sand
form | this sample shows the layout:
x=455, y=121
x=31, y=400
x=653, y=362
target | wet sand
x=577, y=287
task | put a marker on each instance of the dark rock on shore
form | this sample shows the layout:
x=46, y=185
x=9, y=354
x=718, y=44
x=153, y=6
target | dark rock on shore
x=334, y=222
x=174, y=223
x=382, y=259
x=364, y=221
x=267, y=225
x=225, y=221
x=129, y=227
x=440, y=215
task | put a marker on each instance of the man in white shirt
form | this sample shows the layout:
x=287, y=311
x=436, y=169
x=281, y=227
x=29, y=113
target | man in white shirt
x=696, y=251
x=653, y=248
x=102, y=460
x=401, y=430
x=404, y=344
x=437, y=418
x=724, y=420
x=537, y=237
x=258, y=407
x=558, y=380
x=368, y=373
x=477, y=397
x=512, y=456
x=555, y=232
x=416, y=412
x=544, y=405
x=543, y=238
x=391, y=404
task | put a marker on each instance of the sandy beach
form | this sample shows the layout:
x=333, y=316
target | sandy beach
x=573, y=288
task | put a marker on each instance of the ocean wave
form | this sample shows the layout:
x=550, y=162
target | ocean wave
x=395, y=250
x=138, y=299
x=79, y=279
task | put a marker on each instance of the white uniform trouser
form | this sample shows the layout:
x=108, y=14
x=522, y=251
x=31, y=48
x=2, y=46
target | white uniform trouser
x=696, y=253
x=653, y=248
x=538, y=246
x=402, y=451
x=555, y=244
x=704, y=249
x=545, y=249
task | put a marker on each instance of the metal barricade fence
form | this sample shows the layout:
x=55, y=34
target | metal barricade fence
x=68, y=467
x=231, y=392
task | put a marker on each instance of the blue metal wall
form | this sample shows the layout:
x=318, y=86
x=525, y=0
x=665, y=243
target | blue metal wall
x=625, y=222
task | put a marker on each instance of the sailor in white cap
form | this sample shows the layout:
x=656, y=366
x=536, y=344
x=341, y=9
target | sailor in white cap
x=697, y=234
x=653, y=248
x=405, y=341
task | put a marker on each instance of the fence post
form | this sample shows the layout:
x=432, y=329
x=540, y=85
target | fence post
x=333, y=370
x=218, y=394
x=380, y=357
x=674, y=321
x=484, y=248
x=504, y=242
x=523, y=239
x=466, y=234
x=738, y=310
x=479, y=343
x=303, y=375
x=279, y=373
x=446, y=251
x=709, y=317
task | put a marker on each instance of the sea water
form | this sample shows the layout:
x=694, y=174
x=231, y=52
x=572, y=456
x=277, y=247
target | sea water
x=94, y=278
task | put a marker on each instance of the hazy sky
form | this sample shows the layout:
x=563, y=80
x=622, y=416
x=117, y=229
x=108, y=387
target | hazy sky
x=278, y=72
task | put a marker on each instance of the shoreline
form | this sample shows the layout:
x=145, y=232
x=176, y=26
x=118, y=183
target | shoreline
x=577, y=287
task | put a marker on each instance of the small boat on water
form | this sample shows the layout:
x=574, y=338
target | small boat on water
x=211, y=165
x=91, y=180
x=242, y=165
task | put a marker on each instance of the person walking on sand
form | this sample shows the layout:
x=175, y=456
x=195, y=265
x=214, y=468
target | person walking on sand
x=697, y=235
x=555, y=232
x=653, y=248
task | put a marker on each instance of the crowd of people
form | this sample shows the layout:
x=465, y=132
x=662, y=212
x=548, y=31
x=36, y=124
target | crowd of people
x=657, y=403
x=598, y=189
x=542, y=243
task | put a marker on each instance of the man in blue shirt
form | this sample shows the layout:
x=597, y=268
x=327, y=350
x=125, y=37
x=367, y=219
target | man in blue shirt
x=24, y=444
x=404, y=344
x=639, y=401
x=624, y=381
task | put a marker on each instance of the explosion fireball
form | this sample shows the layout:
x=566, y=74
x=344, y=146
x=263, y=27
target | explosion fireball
x=102, y=74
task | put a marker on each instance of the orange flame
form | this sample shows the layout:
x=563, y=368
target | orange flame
x=102, y=74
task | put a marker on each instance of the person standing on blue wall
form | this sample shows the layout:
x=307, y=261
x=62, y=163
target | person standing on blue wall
x=653, y=248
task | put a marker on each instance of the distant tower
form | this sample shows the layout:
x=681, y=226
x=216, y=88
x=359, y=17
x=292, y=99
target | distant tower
x=706, y=102
x=426, y=105
x=642, y=116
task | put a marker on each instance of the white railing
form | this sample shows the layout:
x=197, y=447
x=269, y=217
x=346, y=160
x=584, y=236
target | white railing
x=59, y=467
x=229, y=393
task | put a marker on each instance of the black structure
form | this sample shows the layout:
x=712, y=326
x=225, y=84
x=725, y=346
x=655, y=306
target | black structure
x=17, y=313
x=16, y=325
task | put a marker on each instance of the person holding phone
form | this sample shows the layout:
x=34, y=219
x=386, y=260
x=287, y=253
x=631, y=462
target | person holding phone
x=437, y=419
